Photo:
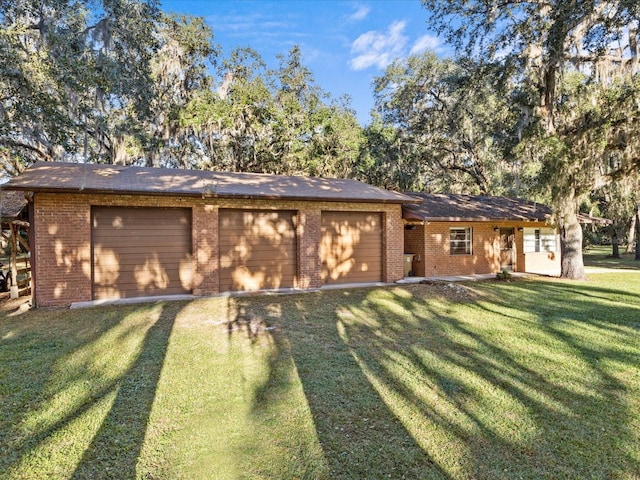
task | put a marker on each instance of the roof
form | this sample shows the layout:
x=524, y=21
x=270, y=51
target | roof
x=474, y=208
x=11, y=204
x=585, y=218
x=58, y=177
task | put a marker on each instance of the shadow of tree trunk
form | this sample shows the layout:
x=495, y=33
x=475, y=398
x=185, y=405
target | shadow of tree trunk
x=108, y=456
x=360, y=437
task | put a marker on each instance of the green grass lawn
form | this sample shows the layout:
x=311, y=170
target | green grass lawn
x=532, y=379
x=601, y=256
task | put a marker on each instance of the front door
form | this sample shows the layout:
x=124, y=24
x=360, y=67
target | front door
x=506, y=249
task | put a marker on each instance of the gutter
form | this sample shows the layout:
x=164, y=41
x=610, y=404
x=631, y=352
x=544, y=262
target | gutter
x=208, y=195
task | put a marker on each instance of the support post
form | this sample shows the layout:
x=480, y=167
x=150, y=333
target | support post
x=14, y=293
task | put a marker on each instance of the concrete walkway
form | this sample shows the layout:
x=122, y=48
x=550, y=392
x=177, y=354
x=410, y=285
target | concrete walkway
x=343, y=286
x=489, y=276
x=462, y=278
x=589, y=270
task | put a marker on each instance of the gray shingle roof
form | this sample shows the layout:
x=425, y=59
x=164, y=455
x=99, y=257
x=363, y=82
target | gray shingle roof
x=11, y=204
x=448, y=207
x=118, y=179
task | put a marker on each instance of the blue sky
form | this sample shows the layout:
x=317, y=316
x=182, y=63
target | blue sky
x=344, y=43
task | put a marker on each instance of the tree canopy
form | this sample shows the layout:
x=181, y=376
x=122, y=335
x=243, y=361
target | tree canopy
x=454, y=125
x=119, y=81
x=74, y=77
x=573, y=67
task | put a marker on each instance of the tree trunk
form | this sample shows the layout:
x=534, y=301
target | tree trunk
x=615, y=244
x=631, y=233
x=638, y=234
x=571, y=244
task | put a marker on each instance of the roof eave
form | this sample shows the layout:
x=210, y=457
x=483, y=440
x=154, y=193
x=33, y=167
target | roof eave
x=426, y=218
x=208, y=195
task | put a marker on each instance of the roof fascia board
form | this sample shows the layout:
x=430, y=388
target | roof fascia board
x=210, y=195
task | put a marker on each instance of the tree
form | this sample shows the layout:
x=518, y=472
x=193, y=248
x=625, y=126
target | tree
x=453, y=125
x=75, y=74
x=387, y=160
x=575, y=65
x=273, y=121
x=617, y=202
x=180, y=72
x=638, y=233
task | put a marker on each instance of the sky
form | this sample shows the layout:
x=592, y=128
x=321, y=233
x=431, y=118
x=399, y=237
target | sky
x=345, y=44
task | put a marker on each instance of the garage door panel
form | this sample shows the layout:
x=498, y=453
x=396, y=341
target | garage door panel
x=271, y=224
x=351, y=247
x=358, y=277
x=257, y=238
x=133, y=244
x=131, y=260
x=168, y=261
x=131, y=220
x=261, y=252
x=145, y=234
x=258, y=249
x=277, y=264
x=267, y=272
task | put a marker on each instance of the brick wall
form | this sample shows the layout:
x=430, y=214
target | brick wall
x=62, y=249
x=205, y=249
x=393, y=242
x=485, y=257
x=62, y=224
x=309, y=234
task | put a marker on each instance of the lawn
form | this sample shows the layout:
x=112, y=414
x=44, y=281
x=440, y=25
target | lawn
x=532, y=379
x=601, y=256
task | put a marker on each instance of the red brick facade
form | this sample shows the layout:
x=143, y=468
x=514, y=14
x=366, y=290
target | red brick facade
x=430, y=244
x=62, y=224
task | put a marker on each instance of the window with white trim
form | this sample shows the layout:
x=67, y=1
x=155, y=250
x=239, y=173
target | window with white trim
x=460, y=241
x=540, y=240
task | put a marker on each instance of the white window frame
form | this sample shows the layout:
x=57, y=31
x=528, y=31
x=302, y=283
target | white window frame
x=455, y=241
x=540, y=240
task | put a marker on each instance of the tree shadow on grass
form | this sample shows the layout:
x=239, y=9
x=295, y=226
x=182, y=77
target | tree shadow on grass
x=359, y=435
x=31, y=347
x=534, y=399
x=523, y=380
x=116, y=447
x=60, y=370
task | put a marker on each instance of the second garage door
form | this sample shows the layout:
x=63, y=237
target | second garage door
x=257, y=249
x=351, y=247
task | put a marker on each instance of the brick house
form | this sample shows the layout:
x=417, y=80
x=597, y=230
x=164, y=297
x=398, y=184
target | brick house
x=106, y=232
x=467, y=234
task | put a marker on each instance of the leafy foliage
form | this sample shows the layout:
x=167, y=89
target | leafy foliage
x=120, y=82
x=74, y=77
x=574, y=71
x=453, y=126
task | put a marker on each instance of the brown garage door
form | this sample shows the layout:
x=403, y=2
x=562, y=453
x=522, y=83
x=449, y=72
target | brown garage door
x=141, y=252
x=257, y=249
x=351, y=247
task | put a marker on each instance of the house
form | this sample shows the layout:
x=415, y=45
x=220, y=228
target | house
x=105, y=232
x=475, y=234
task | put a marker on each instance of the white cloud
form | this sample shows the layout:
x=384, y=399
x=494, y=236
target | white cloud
x=361, y=12
x=426, y=42
x=378, y=48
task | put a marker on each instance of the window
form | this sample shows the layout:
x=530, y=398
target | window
x=460, y=241
x=540, y=240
